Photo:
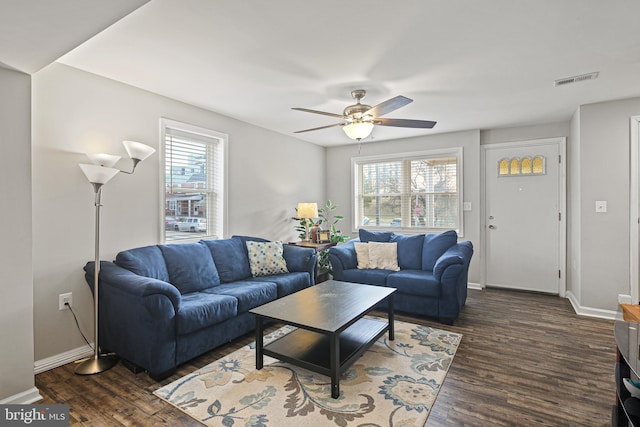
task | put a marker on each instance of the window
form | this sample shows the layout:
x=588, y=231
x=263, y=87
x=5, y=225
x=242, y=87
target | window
x=525, y=166
x=412, y=191
x=194, y=176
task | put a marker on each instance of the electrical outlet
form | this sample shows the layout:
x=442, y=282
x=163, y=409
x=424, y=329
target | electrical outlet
x=65, y=299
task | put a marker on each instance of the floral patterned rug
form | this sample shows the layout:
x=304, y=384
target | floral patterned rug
x=394, y=383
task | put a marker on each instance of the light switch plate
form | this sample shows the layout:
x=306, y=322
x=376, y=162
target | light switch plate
x=601, y=206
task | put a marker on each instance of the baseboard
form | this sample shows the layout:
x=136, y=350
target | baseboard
x=62, y=359
x=476, y=286
x=25, y=398
x=624, y=299
x=589, y=311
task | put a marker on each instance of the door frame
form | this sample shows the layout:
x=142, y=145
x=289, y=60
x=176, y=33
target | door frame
x=634, y=210
x=561, y=142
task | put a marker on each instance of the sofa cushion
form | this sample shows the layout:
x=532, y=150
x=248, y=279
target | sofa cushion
x=362, y=254
x=230, y=258
x=383, y=256
x=190, y=267
x=435, y=245
x=409, y=250
x=367, y=276
x=249, y=294
x=415, y=282
x=374, y=236
x=287, y=283
x=146, y=261
x=265, y=258
x=200, y=310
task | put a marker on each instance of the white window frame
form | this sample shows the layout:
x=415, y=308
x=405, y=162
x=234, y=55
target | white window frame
x=456, y=152
x=219, y=187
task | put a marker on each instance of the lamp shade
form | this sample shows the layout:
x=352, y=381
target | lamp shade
x=307, y=210
x=98, y=174
x=102, y=159
x=138, y=150
x=358, y=130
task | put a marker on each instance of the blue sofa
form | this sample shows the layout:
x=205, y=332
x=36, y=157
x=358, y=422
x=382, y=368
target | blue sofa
x=432, y=276
x=163, y=305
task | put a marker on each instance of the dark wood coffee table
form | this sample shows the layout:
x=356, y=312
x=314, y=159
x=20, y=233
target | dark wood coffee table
x=332, y=331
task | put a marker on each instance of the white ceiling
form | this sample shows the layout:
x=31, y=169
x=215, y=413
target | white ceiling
x=34, y=33
x=467, y=64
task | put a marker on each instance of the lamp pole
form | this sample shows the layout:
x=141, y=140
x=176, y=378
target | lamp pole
x=97, y=363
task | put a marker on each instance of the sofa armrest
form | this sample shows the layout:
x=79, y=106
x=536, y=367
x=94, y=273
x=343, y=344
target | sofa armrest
x=137, y=317
x=458, y=254
x=443, y=263
x=300, y=259
x=342, y=257
x=129, y=283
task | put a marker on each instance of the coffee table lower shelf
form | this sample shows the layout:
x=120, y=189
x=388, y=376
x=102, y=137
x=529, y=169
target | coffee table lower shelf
x=312, y=350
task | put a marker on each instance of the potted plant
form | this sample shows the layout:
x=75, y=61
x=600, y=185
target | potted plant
x=326, y=221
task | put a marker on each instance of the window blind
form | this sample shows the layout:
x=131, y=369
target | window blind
x=408, y=192
x=194, y=176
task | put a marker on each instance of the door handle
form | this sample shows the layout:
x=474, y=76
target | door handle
x=492, y=227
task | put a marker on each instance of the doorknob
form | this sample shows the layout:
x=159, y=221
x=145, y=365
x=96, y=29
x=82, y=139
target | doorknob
x=492, y=227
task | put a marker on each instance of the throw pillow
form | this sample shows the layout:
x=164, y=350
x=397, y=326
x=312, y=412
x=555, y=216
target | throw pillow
x=265, y=258
x=362, y=254
x=383, y=256
x=374, y=236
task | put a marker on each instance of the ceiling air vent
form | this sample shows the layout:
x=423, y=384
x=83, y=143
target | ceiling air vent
x=576, y=79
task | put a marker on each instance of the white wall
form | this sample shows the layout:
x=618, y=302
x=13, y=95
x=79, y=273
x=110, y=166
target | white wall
x=16, y=275
x=76, y=112
x=524, y=133
x=604, y=175
x=339, y=177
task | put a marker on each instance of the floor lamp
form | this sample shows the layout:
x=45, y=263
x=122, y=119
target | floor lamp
x=98, y=174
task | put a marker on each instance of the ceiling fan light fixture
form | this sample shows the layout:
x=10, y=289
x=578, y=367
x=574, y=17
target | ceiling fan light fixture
x=358, y=130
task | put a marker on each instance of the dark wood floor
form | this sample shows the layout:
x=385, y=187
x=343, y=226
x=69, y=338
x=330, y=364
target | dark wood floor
x=525, y=360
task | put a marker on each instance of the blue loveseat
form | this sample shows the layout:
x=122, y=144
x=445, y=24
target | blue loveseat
x=431, y=277
x=163, y=305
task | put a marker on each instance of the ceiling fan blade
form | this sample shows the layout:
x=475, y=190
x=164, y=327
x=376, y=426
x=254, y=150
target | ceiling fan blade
x=324, y=113
x=405, y=123
x=388, y=106
x=321, y=127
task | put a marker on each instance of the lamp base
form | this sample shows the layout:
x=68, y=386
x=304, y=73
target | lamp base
x=95, y=365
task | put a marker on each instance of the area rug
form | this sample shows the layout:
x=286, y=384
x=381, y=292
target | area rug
x=394, y=383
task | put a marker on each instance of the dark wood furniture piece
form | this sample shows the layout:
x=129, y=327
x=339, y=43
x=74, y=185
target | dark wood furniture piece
x=626, y=412
x=321, y=276
x=332, y=331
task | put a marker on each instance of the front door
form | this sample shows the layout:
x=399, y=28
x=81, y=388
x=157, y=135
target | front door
x=524, y=215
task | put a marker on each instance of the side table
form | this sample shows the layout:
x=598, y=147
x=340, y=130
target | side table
x=321, y=276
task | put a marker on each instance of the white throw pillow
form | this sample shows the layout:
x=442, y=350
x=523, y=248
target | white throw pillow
x=383, y=256
x=362, y=254
x=265, y=258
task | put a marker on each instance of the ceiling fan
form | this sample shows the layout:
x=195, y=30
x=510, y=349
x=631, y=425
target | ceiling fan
x=359, y=119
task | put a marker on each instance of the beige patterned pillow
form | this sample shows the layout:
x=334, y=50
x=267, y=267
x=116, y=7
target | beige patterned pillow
x=265, y=258
x=383, y=256
x=362, y=254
